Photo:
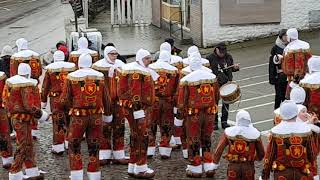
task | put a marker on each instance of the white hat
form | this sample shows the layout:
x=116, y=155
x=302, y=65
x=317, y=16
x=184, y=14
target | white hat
x=6, y=51
x=288, y=110
x=24, y=69
x=192, y=49
x=142, y=53
x=165, y=47
x=293, y=34
x=83, y=43
x=164, y=56
x=85, y=61
x=108, y=49
x=298, y=95
x=58, y=56
x=314, y=64
x=243, y=118
x=195, y=61
x=301, y=107
x=22, y=44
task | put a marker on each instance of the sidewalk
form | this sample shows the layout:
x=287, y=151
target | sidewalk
x=129, y=39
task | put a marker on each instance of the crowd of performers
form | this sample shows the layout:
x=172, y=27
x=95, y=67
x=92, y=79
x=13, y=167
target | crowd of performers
x=92, y=99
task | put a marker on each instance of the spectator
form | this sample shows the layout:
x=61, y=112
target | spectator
x=174, y=50
x=5, y=57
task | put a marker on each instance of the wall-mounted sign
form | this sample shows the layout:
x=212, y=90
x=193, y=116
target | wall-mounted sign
x=249, y=11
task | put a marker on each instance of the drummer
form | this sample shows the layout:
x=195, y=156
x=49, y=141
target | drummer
x=222, y=66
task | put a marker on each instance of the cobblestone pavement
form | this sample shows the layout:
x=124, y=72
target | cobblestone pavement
x=57, y=167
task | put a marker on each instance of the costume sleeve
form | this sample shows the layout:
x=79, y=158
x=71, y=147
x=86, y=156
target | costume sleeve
x=13, y=67
x=269, y=158
x=106, y=100
x=223, y=142
x=66, y=96
x=312, y=148
x=259, y=149
x=31, y=100
x=122, y=88
x=46, y=86
x=135, y=83
x=182, y=96
x=5, y=96
x=2, y=85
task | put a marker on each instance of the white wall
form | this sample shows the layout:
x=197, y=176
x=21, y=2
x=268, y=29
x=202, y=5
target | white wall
x=294, y=13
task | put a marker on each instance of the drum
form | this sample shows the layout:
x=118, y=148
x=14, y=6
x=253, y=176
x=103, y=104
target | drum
x=230, y=93
x=295, y=62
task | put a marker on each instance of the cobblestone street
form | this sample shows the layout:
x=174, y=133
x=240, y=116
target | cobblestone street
x=43, y=26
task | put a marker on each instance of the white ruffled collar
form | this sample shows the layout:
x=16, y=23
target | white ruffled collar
x=81, y=73
x=25, y=54
x=17, y=79
x=198, y=75
x=250, y=133
x=313, y=78
x=60, y=64
x=162, y=65
x=287, y=128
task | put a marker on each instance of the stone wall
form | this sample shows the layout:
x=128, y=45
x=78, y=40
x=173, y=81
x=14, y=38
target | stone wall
x=302, y=14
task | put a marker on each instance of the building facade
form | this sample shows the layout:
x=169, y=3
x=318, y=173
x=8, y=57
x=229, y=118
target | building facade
x=211, y=21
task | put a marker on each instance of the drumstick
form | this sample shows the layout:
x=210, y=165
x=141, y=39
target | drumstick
x=230, y=66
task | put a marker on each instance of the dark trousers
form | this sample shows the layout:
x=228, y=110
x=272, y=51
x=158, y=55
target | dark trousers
x=280, y=88
x=225, y=113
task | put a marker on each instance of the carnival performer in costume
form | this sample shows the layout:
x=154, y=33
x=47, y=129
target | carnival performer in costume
x=194, y=49
x=244, y=148
x=291, y=148
x=53, y=82
x=21, y=99
x=86, y=96
x=197, y=98
x=5, y=140
x=162, y=115
x=25, y=55
x=311, y=83
x=83, y=49
x=113, y=130
x=137, y=95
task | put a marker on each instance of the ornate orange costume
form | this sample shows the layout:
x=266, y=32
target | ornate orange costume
x=86, y=96
x=137, y=95
x=244, y=148
x=24, y=55
x=197, y=100
x=54, y=79
x=21, y=98
x=291, y=149
x=5, y=141
x=162, y=116
x=113, y=130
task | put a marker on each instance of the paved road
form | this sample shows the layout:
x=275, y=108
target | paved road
x=13, y=10
x=41, y=22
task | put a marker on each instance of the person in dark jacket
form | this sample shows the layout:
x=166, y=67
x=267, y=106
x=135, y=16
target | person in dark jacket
x=222, y=66
x=174, y=50
x=5, y=56
x=123, y=59
x=276, y=75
